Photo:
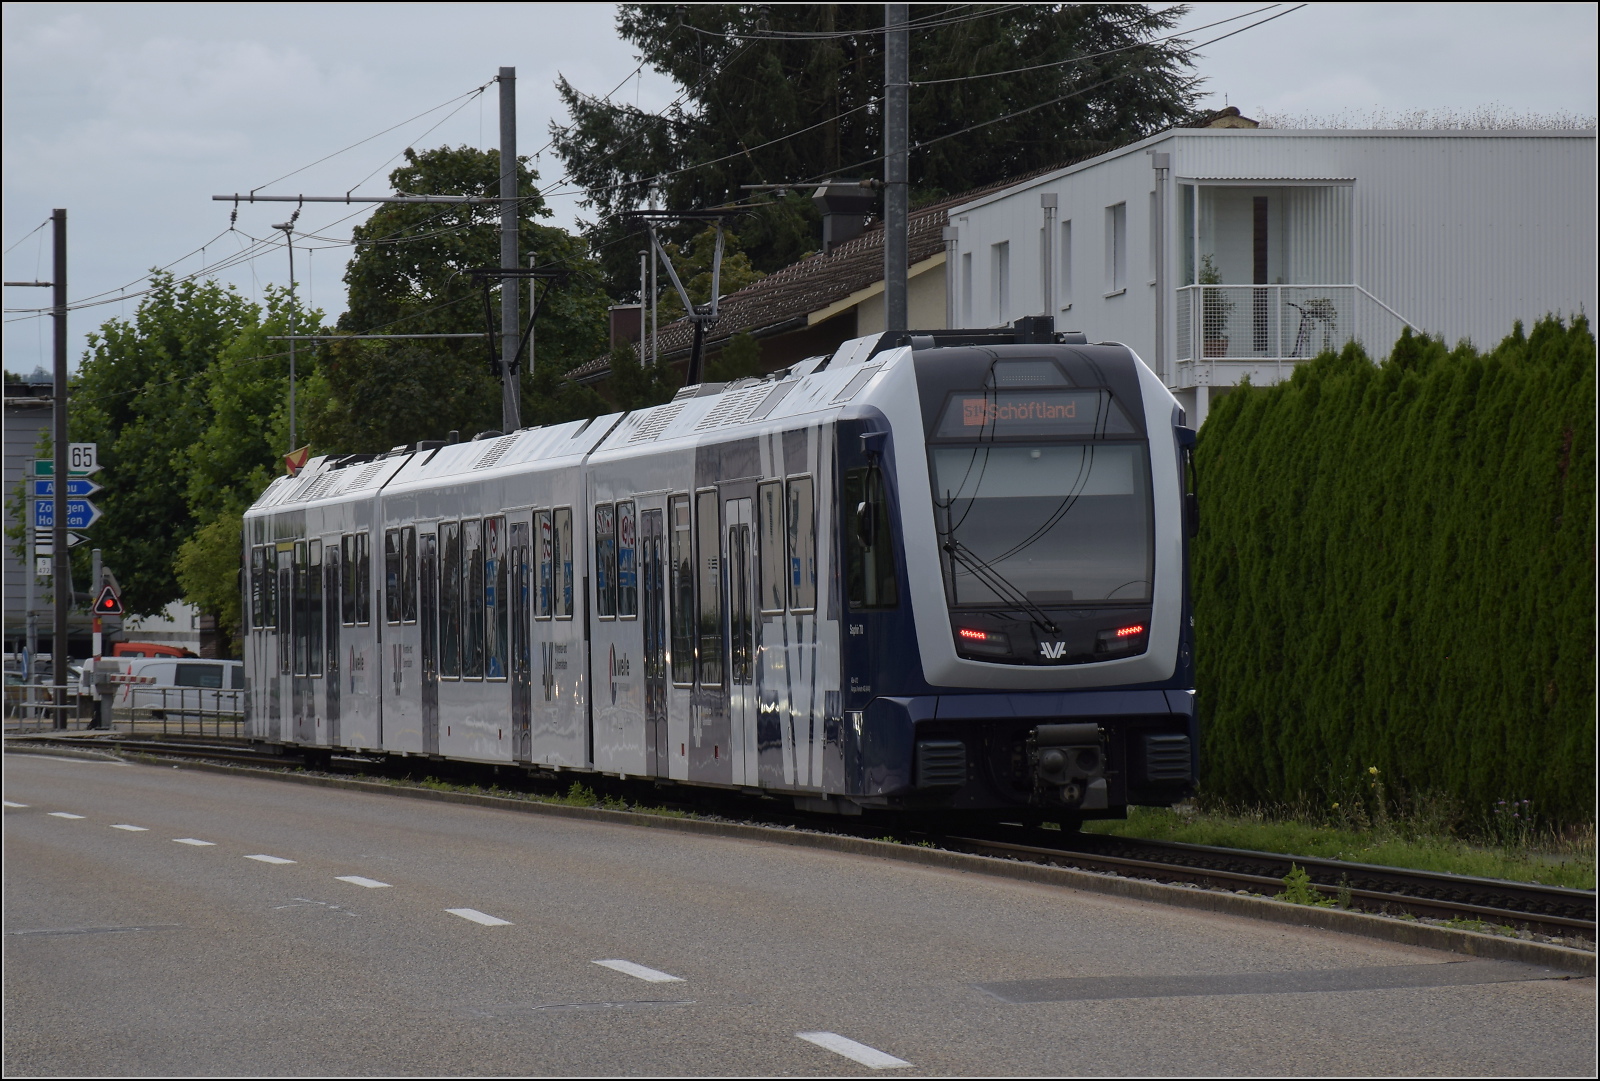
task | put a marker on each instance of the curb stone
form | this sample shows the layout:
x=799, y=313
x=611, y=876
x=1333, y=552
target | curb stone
x=1402, y=932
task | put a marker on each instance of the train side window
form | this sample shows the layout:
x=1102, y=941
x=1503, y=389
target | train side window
x=682, y=553
x=314, y=616
x=769, y=530
x=495, y=598
x=627, y=564
x=545, y=585
x=347, y=580
x=472, y=584
x=363, y=578
x=605, y=561
x=710, y=588
x=869, y=540
x=259, y=577
x=391, y=575
x=408, y=574
x=563, y=562
x=449, y=600
x=802, y=546
x=269, y=587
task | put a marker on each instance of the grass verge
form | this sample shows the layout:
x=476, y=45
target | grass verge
x=1567, y=860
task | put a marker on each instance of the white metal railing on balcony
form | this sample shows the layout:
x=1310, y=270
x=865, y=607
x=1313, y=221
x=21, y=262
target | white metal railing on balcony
x=1279, y=322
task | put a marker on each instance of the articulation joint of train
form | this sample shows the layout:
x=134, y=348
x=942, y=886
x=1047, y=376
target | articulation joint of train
x=943, y=572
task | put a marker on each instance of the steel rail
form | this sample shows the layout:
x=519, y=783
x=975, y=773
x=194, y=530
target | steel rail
x=1553, y=909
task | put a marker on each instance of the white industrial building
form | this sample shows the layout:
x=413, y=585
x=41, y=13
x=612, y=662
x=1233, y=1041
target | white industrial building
x=1225, y=253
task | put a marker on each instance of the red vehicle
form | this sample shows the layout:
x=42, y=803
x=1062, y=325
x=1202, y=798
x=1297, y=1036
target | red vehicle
x=147, y=649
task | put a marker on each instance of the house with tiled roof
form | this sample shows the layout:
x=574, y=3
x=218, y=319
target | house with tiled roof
x=809, y=307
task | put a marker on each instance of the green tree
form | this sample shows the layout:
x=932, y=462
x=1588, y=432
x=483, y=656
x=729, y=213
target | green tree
x=693, y=262
x=142, y=395
x=247, y=397
x=411, y=275
x=807, y=79
x=739, y=359
x=1397, y=571
x=207, y=567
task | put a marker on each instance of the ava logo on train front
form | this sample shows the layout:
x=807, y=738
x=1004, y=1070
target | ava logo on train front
x=1053, y=650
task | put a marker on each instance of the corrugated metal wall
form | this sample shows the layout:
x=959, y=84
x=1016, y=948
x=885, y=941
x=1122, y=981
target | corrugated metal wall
x=1461, y=232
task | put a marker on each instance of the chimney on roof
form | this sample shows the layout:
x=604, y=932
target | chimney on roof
x=845, y=205
x=627, y=322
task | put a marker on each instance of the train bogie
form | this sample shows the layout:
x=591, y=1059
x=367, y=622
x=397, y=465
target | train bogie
x=917, y=574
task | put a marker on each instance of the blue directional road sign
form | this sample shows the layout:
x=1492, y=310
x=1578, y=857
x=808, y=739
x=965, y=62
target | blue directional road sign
x=81, y=514
x=77, y=488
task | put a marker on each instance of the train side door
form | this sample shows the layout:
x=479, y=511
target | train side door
x=427, y=620
x=285, y=659
x=739, y=559
x=335, y=588
x=652, y=565
x=521, y=645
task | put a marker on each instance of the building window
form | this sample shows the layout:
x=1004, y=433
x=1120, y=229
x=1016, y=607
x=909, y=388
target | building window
x=966, y=289
x=1116, y=249
x=1064, y=279
x=1000, y=280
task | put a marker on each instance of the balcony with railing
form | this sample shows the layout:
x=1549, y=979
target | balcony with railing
x=1278, y=323
x=1265, y=280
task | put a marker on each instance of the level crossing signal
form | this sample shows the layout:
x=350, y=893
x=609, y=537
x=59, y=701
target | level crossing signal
x=108, y=603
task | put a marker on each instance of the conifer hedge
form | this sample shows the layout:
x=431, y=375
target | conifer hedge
x=1397, y=569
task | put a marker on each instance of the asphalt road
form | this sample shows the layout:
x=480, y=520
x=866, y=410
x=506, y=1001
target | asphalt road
x=128, y=951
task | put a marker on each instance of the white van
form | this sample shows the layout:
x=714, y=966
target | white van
x=174, y=683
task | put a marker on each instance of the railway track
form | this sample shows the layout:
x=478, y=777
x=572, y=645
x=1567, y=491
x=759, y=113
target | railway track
x=1550, y=910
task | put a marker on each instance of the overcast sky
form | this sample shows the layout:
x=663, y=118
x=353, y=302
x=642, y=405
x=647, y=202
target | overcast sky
x=132, y=116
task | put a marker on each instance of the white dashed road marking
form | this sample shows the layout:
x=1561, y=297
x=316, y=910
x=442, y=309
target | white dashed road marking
x=63, y=814
x=479, y=917
x=870, y=1057
x=193, y=841
x=268, y=859
x=10, y=804
x=357, y=880
x=130, y=829
x=649, y=975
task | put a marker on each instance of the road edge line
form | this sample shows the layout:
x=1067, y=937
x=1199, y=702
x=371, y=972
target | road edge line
x=1401, y=932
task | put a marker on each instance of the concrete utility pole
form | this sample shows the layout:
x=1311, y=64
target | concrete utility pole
x=510, y=330
x=288, y=237
x=896, y=139
x=61, y=583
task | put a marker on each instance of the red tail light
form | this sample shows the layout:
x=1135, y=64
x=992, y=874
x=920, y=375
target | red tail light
x=973, y=636
x=1128, y=632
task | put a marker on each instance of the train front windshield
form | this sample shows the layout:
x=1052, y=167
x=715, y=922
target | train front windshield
x=1044, y=495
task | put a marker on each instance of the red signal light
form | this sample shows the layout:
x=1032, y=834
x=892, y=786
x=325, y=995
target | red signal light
x=108, y=603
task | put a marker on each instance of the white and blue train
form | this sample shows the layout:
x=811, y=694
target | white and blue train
x=941, y=572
